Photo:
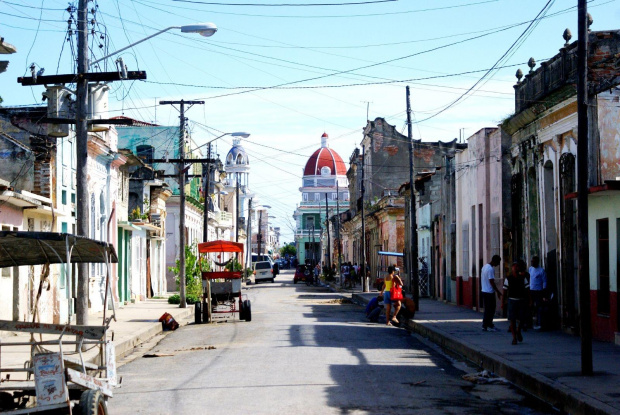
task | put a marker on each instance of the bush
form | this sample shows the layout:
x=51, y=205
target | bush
x=193, y=274
x=189, y=299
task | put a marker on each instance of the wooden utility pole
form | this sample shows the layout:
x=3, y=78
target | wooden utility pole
x=365, y=281
x=259, y=237
x=181, y=172
x=582, y=189
x=249, y=250
x=413, y=257
x=329, y=255
x=81, y=157
x=338, y=228
x=237, y=210
x=207, y=167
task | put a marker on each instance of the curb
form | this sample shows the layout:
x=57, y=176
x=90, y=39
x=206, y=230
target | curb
x=124, y=347
x=561, y=397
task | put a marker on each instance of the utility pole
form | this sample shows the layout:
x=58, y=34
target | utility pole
x=338, y=228
x=237, y=210
x=259, y=237
x=365, y=281
x=582, y=189
x=81, y=133
x=249, y=250
x=207, y=167
x=329, y=247
x=181, y=172
x=412, y=215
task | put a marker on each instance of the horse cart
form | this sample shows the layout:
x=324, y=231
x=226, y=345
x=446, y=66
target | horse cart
x=45, y=367
x=221, y=286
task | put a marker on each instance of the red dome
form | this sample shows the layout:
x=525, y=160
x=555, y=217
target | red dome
x=325, y=157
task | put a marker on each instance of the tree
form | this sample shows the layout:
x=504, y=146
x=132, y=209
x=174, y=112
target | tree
x=288, y=249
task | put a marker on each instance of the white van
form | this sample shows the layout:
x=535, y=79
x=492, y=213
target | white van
x=262, y=271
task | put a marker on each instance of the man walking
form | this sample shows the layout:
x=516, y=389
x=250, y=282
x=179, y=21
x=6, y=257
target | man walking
x=489, y=290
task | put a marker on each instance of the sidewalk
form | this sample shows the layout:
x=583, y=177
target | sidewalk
x=546, y=364
x=136, y=323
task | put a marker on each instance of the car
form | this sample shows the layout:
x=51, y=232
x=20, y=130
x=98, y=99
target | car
x=262, y=271
x=301, y=273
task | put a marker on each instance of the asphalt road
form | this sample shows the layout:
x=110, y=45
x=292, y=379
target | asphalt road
x=304, y=352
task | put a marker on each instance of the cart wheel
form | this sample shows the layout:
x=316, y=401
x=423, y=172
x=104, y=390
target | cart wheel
x=241, y=310
x=197, y=313
x=247, y=307
x=92, y=403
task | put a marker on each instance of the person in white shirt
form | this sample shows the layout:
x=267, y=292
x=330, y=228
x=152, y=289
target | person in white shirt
x=538, y=283
x=489, y=290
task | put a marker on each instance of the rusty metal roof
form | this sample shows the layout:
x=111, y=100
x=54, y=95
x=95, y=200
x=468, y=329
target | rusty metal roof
x=37, y=248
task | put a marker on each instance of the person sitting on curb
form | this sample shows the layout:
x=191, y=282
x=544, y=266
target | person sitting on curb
x=516, y=288
x=374, y=308
x=390, y=279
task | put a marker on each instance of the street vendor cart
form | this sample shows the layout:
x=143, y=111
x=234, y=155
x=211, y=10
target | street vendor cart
x=54, y=376
x=221, y=283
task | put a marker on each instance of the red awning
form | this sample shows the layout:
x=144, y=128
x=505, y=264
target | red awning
x=220, y=246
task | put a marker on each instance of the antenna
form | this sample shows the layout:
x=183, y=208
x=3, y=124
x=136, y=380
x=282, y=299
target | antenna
x=367, y=107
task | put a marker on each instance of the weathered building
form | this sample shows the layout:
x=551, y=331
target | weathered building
x=544, y=178
x=482, y=207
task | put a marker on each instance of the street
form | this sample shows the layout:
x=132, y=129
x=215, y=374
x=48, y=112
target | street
x=306, y=351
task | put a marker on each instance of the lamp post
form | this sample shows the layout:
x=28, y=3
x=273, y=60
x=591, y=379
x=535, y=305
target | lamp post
x=205, y=228
x=203, y=29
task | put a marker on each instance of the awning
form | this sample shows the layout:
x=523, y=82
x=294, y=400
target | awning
x=37, y=248
x=386, y=253
x=220, y=246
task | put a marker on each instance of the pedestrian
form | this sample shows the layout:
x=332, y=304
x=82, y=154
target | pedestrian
x=516, y=288
x=374, y=308
x=489, y=290
x=538, y=285
x=388, y=283
x=317, y=272
x=353, y=273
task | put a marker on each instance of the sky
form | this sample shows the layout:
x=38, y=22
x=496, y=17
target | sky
x=288, y=71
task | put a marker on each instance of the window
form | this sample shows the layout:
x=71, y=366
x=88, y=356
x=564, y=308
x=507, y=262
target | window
x=304, y=197
x=308, y=182
x=602, y=236
x=317, y=197
x=325, y=171
x=310, y=222
x=334, y=196
x=63, y=197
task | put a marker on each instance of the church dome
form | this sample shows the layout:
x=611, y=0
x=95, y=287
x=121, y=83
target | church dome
x=325, y=161
x=237, y=155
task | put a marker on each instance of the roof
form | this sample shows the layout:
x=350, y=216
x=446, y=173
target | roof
x=325, y=157
x=220, y=246
x=37, y=248
x=134, y=122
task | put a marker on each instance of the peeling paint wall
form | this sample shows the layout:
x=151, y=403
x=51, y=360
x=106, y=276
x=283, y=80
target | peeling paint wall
x=609, y=129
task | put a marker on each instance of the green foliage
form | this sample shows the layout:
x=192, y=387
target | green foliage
x=193, y=275
x=234, y=265
x=136, y=215
x=176, y=299
x=288, y=249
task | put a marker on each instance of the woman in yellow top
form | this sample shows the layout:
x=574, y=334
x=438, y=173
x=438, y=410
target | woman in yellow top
x=390, y=279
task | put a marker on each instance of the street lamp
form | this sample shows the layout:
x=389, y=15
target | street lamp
x=203, y=29
x=205, y=226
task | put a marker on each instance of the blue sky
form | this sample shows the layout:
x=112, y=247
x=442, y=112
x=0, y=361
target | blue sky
x=334, y=63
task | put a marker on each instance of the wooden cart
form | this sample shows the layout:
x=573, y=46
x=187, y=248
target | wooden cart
x=55, y=372
x=221, y=287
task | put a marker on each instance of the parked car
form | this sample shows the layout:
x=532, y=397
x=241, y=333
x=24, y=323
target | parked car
x=301, y=273
x=262, y=271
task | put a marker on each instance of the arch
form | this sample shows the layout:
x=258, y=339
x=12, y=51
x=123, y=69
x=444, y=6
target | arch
x=239, y=159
